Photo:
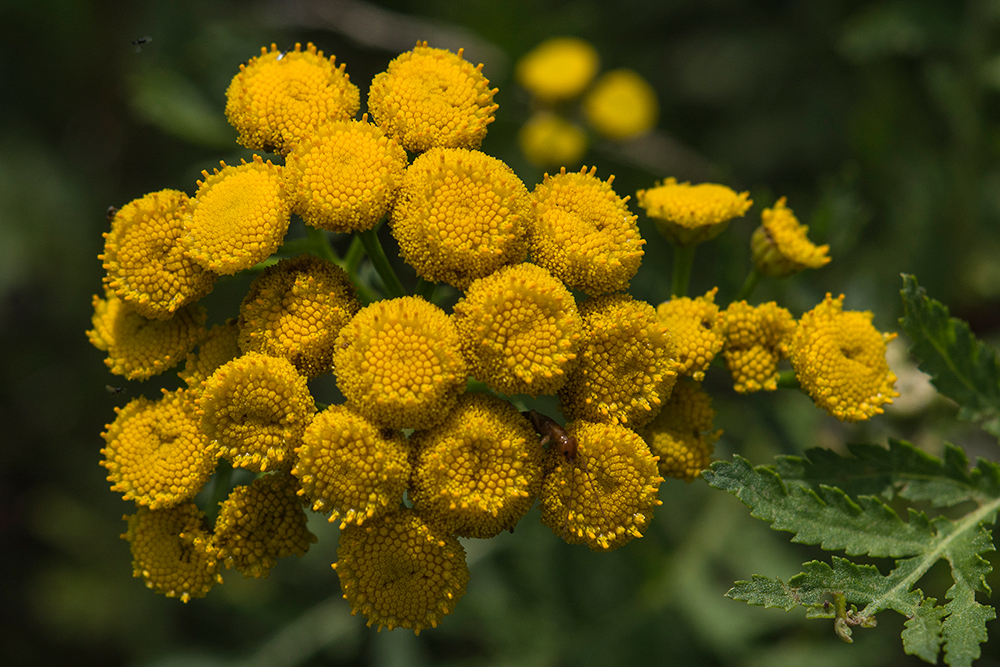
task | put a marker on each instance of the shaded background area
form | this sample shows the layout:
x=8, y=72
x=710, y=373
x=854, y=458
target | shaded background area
x=878, y=120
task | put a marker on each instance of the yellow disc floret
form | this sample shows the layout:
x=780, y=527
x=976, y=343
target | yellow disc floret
x=548, y=140
x=781, y=247
x=217, y=347
x=584, y=233
x=756, y=340
x=689, y=214
x=622, y=105
x=682, y=434
x=695, y=330
x=558, y=69
x=839, y=359
x=280, y=98
x=430, y=98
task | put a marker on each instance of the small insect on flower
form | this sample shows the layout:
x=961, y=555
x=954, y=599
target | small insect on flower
x=137, y=43
x=112, y=212
x=114, y=391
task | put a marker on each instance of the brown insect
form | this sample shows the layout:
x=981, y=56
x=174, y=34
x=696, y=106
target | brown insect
x=112, y=212
x=114, y=391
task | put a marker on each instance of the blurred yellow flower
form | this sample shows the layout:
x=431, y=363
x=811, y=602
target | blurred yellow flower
x=756, y=339
x=690, y=214
x=781, y=247
x=560, y=68
x=682, y=434
x=622, y=105
x=548, y=140
x=695, y=331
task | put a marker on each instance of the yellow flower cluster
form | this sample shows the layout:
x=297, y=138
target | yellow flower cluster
x=690, y=214
x=695, y=331
x=756, y=340
x=780, y=247
x=681, y=435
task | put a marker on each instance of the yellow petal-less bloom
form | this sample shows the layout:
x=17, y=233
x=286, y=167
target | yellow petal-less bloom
x=164, y=554
x=344, y=177
x=429, y=98
x=781, y=247
x=520, y=328
x=399, y=363
x=626, y=363
x=690, y=214
x=756, y=338
x=139, y=348
x=682, y=434
x=257, y=407
x=584, y=233
x=295, y=309
x=695, y=330
x=280, y=98
x=460, y=215
x=622, y=105
x=558, y=69
x=347, y=465
x=155, y=452
x=548, y=140
x=217, y=347
x=145, y=259
x=238, y=217
x=839, y=359
x=400, y=571
x=606, y=496
x=479, y=471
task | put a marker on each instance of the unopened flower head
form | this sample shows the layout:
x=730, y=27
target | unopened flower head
x=280, y=98
x=344, y=177
x=549, y=140
x=401, y=571
x=238, y=217
x=622, y=105
x=756, y=340
x=461, y=215
x=218, y=346
x=558, y=69
x=520, y=328
x=479, y=471
x=257, y=408
x=399, y=363
x=682, y=434
x=347, y=465
x=295, y=309
x=584, y=233
x=695, y=331
x=690, y=214
x=430, y=98
x=781, y=247
x=839, y=359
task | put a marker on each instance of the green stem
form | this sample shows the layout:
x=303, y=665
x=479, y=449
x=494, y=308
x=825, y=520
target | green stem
x=787, y=380
x=425, y=288
x=683, y=261
x=220, y=489
x=749, y=285
x=354, y=255
x=381, y=263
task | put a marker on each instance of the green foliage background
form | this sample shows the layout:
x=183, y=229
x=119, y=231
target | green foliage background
x=878, y=120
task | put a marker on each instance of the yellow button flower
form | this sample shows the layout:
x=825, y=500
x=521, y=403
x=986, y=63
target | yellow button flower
x=560, y=68
x=695, y=330
x=280, y=98
x=584, y=233
x=238, y=217
x=461, y=215
x=430, y=98
x=622, y=105
x=399, y=363
x=606, y=496
x=145, y=259
x=681, y=435
x=400, y=571
x=344, y=176
x=217, y=347
x=349, y=466
x=520, y=328
x=548, y=140
x=295, y=309
x=690, y=214
x=479, y=471
x=839, y=359
x=756, y=338
x=257, y=408
x=626, y=363
x=781, y=247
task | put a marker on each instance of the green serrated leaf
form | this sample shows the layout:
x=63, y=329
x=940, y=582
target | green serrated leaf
x=964, y=627
x=859, y=584
x=763, y=591
x=922, y=632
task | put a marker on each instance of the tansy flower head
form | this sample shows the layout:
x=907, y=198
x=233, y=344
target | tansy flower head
x=622, y=105
x=625, y=363
x=344, y=176
x=689, y=214
x=681, y=435
x=295, y=309
x=257, y=408
x=695, y=331
x=349, y=466
x=461, y=215
x=479, y=471
x=431, y=98
x=519, y=329
x=558, y=69
x=756, y=337
x=839, y=359
x=164, y=555
x=548, y=140
x=400, y=571
x=605, y=497
x=584, y=233
x=780, y=246
x=399, y=363
x=155, y=453
x=217, y=347
x=280, y=98
x=145, y=260
x=139, y=348
x=238, y=216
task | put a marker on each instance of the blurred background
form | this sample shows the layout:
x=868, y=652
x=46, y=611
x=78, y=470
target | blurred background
x=878, y=120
